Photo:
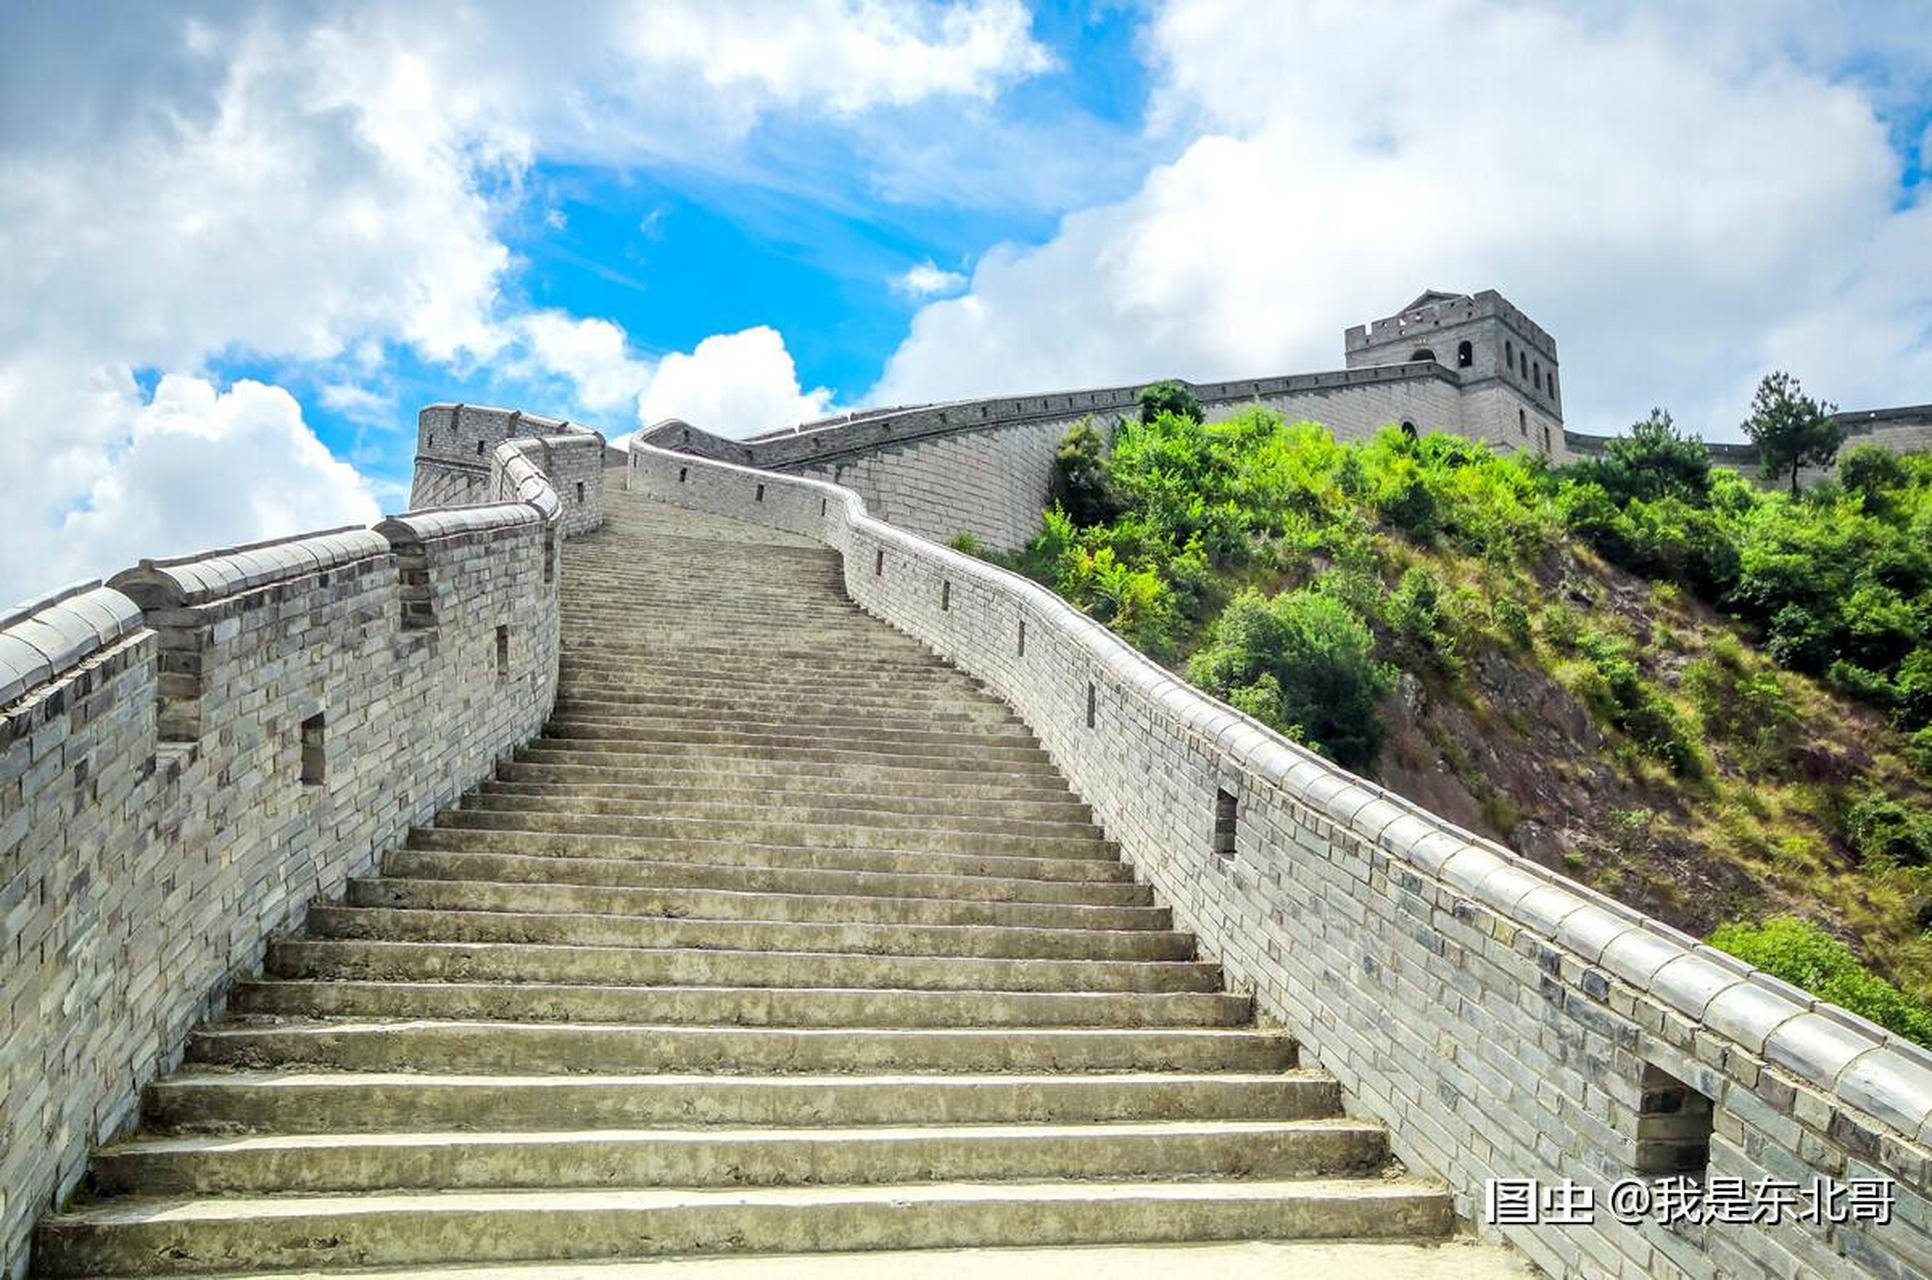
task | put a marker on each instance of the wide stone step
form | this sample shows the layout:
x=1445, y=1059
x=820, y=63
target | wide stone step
x=472, y=961
x=856, y=748
x=531, y=766
x=876, y=732
x=462, y=924
x=769, y=829
x=351, y=1102
x=970, y=714
x=658, y=695
x=604, y=1001
x=491, y=1047
x=187, y=1236
x=708, y=800
x=829, y=857
x=794, y=809
x=712, y=1157
x=733, y=758
x=468, y=892
x=640, y=872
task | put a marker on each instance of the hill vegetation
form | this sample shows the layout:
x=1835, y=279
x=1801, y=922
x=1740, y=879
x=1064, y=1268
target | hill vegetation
x=1712, y=702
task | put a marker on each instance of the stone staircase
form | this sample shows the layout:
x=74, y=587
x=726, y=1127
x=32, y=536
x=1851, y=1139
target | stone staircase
x=784, y=937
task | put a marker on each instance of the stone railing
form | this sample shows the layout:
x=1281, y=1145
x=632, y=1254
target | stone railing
x=192, y=753
x=456, y=450
x=1503, y=1021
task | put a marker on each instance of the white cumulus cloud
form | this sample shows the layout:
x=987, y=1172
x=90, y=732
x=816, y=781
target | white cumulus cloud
x=927, y=281
x=200, y=468
x=734, y=384
x=314, y=186
x=1672, y=192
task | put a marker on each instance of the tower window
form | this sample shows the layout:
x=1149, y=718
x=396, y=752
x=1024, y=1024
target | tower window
x=1522, y=423
x=1465, y=355
x=1552, y=384
x=1509, y=353
x=1408, y=429
x=1422, y=353
x=1522, y=363
x=1536, y=375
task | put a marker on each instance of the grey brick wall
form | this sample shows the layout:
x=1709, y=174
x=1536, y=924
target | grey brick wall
x=456, y=462
x=1499, y=1018
x=194, y=753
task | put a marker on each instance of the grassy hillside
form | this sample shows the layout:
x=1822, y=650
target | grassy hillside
x=1710, y=702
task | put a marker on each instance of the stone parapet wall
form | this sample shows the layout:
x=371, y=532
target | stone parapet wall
x=456, y=450
x=984, y=466
x=193, y=753
x=1502, y=1020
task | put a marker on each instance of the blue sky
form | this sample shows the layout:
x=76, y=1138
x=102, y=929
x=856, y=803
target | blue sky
x=241, y=243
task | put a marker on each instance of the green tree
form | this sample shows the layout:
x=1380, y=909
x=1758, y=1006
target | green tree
x=1791, y=429
x=1081, y=483
x=1168, y=396
x=1303, y=662
x=1654, y=461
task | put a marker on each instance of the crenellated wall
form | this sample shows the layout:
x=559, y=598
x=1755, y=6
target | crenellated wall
x=1502, y=1020
x=455, y=459
x=192, y=753
x=983, y=466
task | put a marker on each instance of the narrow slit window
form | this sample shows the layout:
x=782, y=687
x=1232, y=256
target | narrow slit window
x=315, y=756
x=580, y=493
x=1673, y=1126
x=878, y=562
x=760, y=495
x=946, y=597
x=1224, y=824
x=683, y=472
x=1022, y=651
x=1092, y=703
x=503, y=652
x=821, y=506
x=479, y=448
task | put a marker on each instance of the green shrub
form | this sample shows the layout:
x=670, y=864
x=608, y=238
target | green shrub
x=1512, y=622
x=1414, y=612
x=1637, y=707
x=1081, y=484
x=1919, y=749
x=964, y=541
x=1168, y=396
x=1653, y=461
x=1889, y=833
x=1319, y=654
x=1805, y=955
x=1751, y=708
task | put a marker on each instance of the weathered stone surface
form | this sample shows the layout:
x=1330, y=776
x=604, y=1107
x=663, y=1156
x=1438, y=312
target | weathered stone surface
x=1498, y=1017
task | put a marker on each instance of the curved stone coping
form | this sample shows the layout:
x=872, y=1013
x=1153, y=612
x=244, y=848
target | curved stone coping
x=185, y=581
x=415, y=528
x=41, y=638
x=1863, y=1064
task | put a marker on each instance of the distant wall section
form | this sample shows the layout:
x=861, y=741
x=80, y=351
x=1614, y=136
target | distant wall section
x=984, y=466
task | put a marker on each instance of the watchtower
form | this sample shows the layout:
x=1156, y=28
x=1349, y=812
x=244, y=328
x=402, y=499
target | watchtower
x=1505, y=361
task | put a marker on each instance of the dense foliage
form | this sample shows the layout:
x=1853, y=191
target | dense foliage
x=1804, y=954
x=1295, y=576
